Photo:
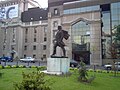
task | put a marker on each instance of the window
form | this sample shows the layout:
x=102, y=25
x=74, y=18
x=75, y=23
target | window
x=34, y=47
x=13, y=40
x=45, y=39
x=25, y=47
x=55, y=11
x=26, y=40
x=45, y=31
x=55, y=23
x=54, y=33
x=35, y=30
x=26, y=31
x=44, y=47
x=3, y=47
x=35, y=40
x=44, y=55
x=13, y=36
x=105, y=7
x=80, y=35
x=24, y=55
x=14, y=29
x=34, y=56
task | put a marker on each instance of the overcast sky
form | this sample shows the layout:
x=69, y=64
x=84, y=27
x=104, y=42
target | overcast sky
x=43, y=3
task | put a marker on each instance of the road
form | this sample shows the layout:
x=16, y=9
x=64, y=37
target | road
x=37, y=63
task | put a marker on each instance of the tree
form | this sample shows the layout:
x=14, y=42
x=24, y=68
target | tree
x=33, y=81
x=82, y=72
x=114, y=49
x=116, y=39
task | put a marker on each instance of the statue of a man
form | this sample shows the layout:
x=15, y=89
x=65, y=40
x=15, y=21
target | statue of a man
x=59, y=41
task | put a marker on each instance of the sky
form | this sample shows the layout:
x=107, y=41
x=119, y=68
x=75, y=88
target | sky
x=43, y=3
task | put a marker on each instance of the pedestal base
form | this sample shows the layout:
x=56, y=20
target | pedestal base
x=58, y=65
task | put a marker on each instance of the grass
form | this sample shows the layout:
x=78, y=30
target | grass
x=103, y=81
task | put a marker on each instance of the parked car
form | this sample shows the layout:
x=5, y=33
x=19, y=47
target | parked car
x=117, y=65
x=6, y=59
x=28, y=59
x=74, y=63
x=108, y=66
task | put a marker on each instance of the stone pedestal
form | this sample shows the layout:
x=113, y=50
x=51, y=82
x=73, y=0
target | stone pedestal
x=58, y=65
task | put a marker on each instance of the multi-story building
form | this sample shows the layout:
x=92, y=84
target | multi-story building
x=11, y=30
x=90, y=24
x=23, y=31
x=35, y=33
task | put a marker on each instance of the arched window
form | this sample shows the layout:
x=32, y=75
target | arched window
x=80, y=33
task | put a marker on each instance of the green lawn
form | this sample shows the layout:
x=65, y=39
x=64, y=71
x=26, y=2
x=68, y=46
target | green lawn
x=103, y=81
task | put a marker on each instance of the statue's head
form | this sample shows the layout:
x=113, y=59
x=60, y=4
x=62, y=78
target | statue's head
x=59, y=27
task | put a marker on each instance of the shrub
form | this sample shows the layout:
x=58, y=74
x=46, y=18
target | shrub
x=33, y=66
x=7, y=66
x=104, y=71
x=33, y=81
x=21, y=66
x=14, y=66
x=90, y=70
x=111, y=71
x=99, y=71
x=91, y=79
x=1, y=67
x=71, y=69
x=82, y=73
x=41, y=68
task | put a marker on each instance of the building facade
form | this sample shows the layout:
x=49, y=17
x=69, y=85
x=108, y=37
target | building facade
x=10, y=28
x=90, y=23
x=24, y=31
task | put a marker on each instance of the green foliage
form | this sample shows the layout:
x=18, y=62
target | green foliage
x=91, y=79
x=41, y=68
x=71, y=69
x=116, y=40
x=99, y=71
x=117, y=33
x=14, y=66
x=90, y=70
x=7, y=66
x=33, y=66
x=82, y=73
x=103, y=81
x=104, y=71
x=33, y=81
x=1, y=74
x=21, y=66
x=1, y=67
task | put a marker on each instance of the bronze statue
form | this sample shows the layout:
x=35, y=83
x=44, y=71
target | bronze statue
x=58, y=41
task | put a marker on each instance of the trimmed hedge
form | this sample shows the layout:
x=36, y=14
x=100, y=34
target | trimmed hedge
x=21, y=66
x=33, y=66
x=14, y=66
x=41, y=68
x=7, y=66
